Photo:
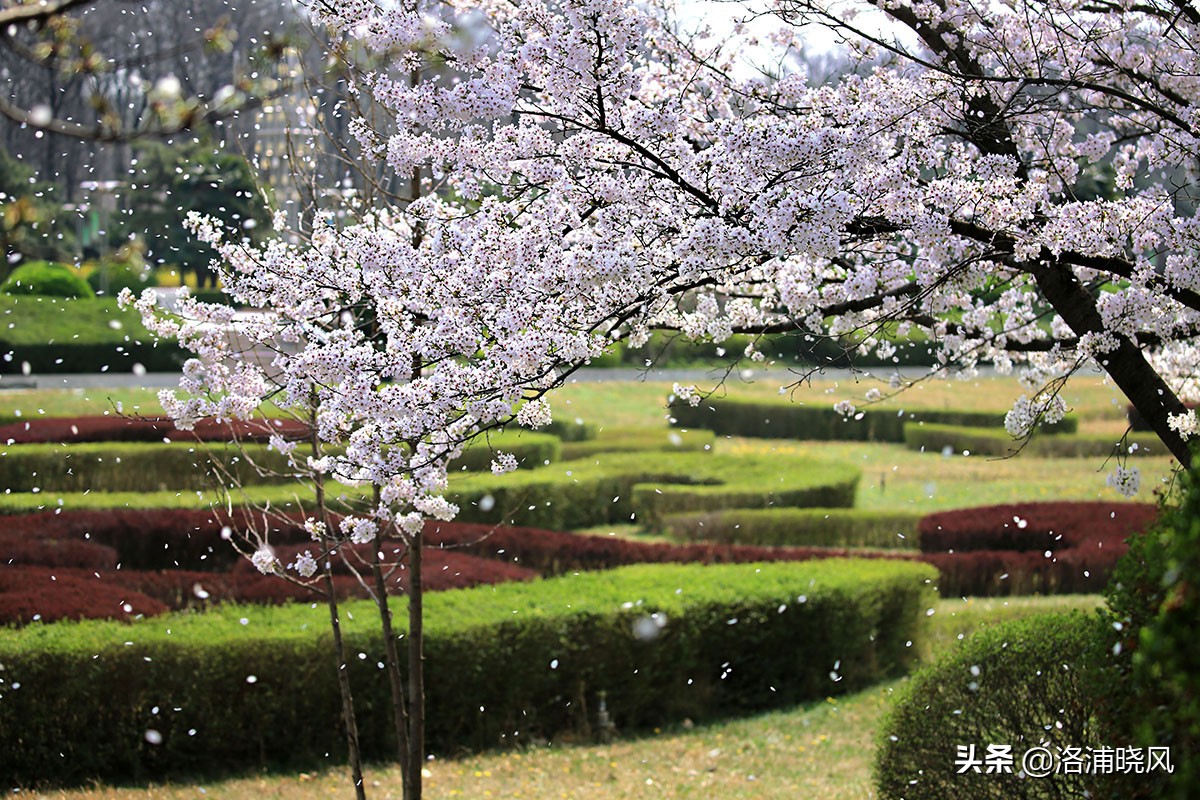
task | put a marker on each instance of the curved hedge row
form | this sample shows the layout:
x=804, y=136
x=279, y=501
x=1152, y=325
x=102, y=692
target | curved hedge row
x=628, y=486
x=663, y=642
x=799, y=527
x=1021, y=684
x=46, y=594
x=990, y=442
x=146, y=466
x=1031, y=547
x=112, y=428
x=783, y=419
x=56, y=562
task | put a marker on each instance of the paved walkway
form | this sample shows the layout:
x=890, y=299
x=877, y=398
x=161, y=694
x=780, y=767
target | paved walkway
x=164, y=380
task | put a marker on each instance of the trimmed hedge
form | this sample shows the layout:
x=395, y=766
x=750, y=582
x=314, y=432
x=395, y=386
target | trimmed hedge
x=90, y=358
x=240, y=688
x=46, y=594
x=631, y=440
x=1022, y=683
x=46, y=279
x=1030, y=548
x=531, y=450
x=932, y=438
x=782, y=419
x=164, y=554
x=130, y=466
x=113, y=428
x=575, y=430
x=620, y=487
x=556, y=553
x=799, y=527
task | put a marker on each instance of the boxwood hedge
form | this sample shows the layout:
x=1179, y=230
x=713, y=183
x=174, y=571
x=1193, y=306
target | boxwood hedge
x=620, y=487
x=784, y=419
x=799, y=527
x=242, y=687
x=148, y=466
x=1022, y=684
x=992, y=442
x=630, y=440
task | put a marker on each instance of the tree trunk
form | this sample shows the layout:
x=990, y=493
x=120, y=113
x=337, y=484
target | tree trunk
x=335, y=625
x=1126, y=365
x=416, y=668
x=392, y=656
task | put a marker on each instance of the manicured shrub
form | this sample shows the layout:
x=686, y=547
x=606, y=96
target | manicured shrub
x=110, y=277
x=619, y=487
x=17, y=550
x=530, y=449
x=69, y=430
x=240, y=687
x=48, y=594
x=1029, y=548
x=133, y=466
x=155, y=539
x=783, y=419
x=570, y=430
x=932, y=438
x=161, y=539
x=1020, y=684
x=442, y=569
x=33, y=592
x=556, y=553
x=799, y=527
x=89, y=357
x=47, y=279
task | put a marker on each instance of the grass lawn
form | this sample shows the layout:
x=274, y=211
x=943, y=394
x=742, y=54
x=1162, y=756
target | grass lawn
x=820, y=750
x=40, y=320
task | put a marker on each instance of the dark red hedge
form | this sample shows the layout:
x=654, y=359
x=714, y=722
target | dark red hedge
x=1045, y=548
x=125, y=429
x=46, y=552
x=42, y=593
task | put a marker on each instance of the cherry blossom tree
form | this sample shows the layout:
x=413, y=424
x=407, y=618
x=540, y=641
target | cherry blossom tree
x=592, y=173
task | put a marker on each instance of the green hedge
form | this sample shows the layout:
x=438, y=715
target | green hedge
x=575, y=430
x=1021, y=683
x=161, y=466
x=47, y=279
x=252, y=687
x=127, y=466
x=630, y=440
x=784, y=419
x=799, y=527
x=932, y=438
x=531, y=449
x=619, y=487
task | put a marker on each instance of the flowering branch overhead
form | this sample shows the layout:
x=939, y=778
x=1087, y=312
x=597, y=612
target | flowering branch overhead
x=1018, y=187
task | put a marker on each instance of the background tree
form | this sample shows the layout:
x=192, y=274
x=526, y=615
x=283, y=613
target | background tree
x=31, y=225
x=171, y=181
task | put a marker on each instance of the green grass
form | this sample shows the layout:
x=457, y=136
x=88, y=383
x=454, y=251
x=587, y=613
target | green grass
x=821, y=750
x=43, y=320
